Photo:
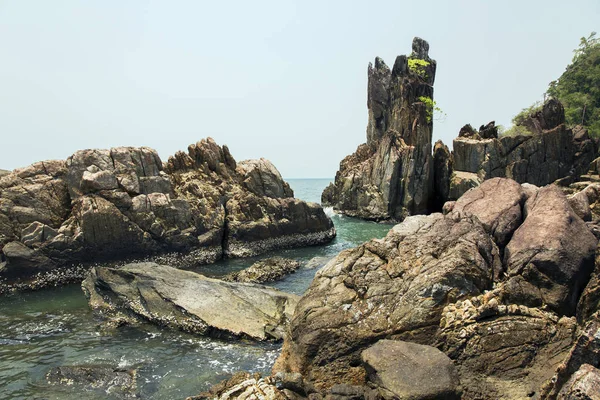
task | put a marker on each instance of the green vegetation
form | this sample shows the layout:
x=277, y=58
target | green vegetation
x=517, y=128
x=431, y=107
x=418, y=66
x=578, y=89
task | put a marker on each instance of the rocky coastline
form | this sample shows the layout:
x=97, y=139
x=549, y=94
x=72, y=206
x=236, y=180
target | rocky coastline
x=57, y=218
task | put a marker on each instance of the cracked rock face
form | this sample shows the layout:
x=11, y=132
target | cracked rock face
x=122, y=203
x=494, y=284
x=391, y=176
x=188, y=301
x=551, y=152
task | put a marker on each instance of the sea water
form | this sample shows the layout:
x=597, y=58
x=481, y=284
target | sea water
x=55, y=327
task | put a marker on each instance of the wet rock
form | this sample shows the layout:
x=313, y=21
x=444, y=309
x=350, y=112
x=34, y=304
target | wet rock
x=394, y=288
x=404, y=370
x=112, y=381
x=391, y=176
x=551, y=255
x=267, y=270
x=188, y=301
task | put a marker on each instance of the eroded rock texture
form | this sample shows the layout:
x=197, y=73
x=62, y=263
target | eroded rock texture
x=551, y=152
x=188, y=301
x=122, y=203
x=391, y=176
x=494, y=283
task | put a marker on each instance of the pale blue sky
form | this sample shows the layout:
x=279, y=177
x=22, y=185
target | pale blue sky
x=284, y=80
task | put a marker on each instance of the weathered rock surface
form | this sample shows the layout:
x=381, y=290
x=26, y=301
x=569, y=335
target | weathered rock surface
x=108, y=380
x=551, y=255
x=497, y=203
x=442, y=174
x=552, y=151
x=243, y=385
x=120, y=203
x=583, y=385
x=404, y=370
x=188, y=301
x=391, y=288
x=391, y=176
x=494, y=284
x=268, y=270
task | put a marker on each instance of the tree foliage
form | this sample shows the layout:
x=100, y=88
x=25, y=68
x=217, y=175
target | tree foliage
x=578, y=88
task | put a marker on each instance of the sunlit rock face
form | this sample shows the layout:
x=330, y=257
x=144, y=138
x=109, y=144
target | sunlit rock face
x=391, y=176
x=121, y=203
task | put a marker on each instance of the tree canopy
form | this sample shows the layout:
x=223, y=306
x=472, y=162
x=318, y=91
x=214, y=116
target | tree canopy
x=578, y=88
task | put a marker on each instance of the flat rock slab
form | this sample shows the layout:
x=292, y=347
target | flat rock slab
x=410, y=371
x=188, y=301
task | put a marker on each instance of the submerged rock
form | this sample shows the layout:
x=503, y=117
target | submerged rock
x=112, y=381
x=391, y=176
x=123, y=203
x=267, y=270
x=188, y=301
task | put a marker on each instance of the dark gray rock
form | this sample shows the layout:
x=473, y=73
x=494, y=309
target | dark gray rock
x=391, y=176
x=442, y=172
x=113, y=381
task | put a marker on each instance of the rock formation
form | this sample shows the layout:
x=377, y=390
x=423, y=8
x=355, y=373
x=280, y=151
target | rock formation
x=267, y=270
x=391, y=176
x=496, y=284
x=550, y=153
x=122, y=203
x=188, y=301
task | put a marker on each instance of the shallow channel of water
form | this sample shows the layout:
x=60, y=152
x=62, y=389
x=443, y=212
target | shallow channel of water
x=54, y=327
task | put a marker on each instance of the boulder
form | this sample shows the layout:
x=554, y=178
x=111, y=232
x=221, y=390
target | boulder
x=267, y=270
x=391, y=176
x=550, y=256
x=262, y=178
x=497, y=204
x=243, y=385
x=188, y=301
x=394, y=288
x=405, y=370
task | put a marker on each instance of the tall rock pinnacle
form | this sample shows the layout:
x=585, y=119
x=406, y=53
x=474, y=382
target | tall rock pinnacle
x=391, y=175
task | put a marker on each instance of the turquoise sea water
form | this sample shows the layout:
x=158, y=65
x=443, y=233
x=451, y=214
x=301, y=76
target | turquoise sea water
x=54, y=327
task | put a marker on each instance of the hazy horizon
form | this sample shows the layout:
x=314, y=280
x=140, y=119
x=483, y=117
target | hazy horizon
x=283, y=80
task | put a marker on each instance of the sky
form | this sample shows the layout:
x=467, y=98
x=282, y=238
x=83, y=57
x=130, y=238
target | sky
x=283, y=80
